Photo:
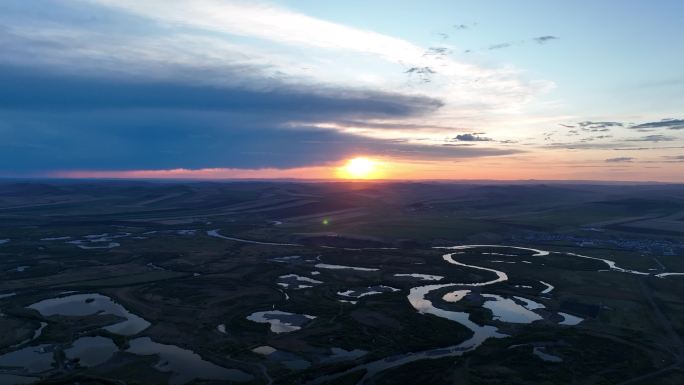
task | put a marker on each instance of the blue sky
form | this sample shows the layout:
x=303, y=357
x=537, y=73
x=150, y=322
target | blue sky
x=525, y=89
x=605, y=48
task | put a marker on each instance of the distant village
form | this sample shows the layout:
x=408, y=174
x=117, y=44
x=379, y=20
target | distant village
x=655, y=247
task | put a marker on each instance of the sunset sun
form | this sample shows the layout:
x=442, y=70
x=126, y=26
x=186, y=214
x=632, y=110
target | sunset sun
x=360, y=168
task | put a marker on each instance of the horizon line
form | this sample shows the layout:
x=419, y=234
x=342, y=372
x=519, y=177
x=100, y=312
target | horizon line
x=339, y=180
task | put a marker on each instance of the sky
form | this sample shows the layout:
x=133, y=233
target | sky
x=549, y=90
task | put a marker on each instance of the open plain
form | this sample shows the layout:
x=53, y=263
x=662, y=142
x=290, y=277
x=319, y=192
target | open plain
x=341, y=283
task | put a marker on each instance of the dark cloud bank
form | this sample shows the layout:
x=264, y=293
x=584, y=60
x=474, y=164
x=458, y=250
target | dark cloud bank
x=55, y=121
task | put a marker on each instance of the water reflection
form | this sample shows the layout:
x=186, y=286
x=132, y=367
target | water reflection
x=548, y=288
x=422, y=277
x=507, y=310
x=91, y=351
x=339, y=354
x=89, y=304
x=294, y=281
x=287, y=359
x=216, y=234
x=366, y=291
x=540, y=352
x=31, y=359
x=37, y=333
x=569, y=319
x=280, y=321
x=529, y=304
x=343, y=267
x=184, y=365
x=455, y=296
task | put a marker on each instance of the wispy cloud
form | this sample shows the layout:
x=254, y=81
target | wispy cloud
x=424, y=74
x=613, y=133
x=275, y=24
x=648, y=148
x=462, y=26
x=653, y=138
x=390, y=125
x=471, y=138
x=675, y=159
x=544, y=39
x=438, y=52
x=499, y=46
x=623, y=159
x=539, y=40
x=590, y=126
x=670, y=124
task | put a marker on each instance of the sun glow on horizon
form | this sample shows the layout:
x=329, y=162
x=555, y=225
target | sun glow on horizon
x=359, y=168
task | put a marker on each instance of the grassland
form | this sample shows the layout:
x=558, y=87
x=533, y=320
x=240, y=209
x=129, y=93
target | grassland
x=169, y=270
